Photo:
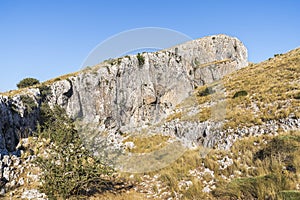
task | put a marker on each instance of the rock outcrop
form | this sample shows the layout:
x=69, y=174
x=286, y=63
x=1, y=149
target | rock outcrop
x=18, y=118
x=128, y=93
x=131, y=92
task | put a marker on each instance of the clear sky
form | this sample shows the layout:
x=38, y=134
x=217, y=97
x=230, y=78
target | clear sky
x=48, y=38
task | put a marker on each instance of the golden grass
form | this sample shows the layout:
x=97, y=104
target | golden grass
x=216, y=62
x=120, y=196
x=273, y=89
x=143, y=144
x=63, y=77
x=265, y=164
x=12, y=93
x=268, y=168
x=271, y=85
x=178, y=171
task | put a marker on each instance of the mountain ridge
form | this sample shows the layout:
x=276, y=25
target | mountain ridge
x=125, y=93
x=240, y=129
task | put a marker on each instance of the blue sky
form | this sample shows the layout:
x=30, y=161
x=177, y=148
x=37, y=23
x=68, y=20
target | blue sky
x=45, y=39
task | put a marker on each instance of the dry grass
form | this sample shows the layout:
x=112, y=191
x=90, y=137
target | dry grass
x=63, y=77
x=271, y=86
x=268, y=167
x=120, y=196
x=178, y=171
x=273, y=92
x=12, y=93
x=143, y=144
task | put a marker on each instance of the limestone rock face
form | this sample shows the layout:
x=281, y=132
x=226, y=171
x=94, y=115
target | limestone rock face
x=213, y=57
x=17, y=118
x=127, y=93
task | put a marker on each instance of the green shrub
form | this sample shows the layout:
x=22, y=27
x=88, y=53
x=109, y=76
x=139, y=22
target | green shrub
x=68, y=169
x=297, y=96
x=141, y=59
x=45, y=91
x=27, y=82
x=28, y=102
x=240, y=94
x=207, y=91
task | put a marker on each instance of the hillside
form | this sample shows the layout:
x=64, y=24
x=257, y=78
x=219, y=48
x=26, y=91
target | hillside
x=175, y=125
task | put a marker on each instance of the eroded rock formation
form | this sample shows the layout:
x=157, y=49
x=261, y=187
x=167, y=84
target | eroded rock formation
x=130, y=92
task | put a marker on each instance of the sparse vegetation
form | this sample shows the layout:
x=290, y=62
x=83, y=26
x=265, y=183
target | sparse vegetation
x=141, y=59
x=269, y=91
x=144, y=144
x=45, y=91
x=68, y=169
x=28, y=102
x=269, y=169
x=207, y=91
x=27, y=82
x=119, y=61
x=240, y=93
x=261, y=167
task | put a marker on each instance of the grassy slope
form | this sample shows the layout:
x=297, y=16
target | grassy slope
x=273, y=92
x=269, y=169
x=263, y=167
x=273, y=86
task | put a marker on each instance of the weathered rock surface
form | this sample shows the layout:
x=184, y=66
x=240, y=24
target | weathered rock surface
x=210, y=134
x=129, y=92
x=18, y=118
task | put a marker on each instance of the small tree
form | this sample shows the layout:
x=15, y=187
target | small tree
x=68, y=169
x=26, y=82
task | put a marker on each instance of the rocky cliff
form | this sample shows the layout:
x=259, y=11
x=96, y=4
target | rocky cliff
x=128, y=93
x=18, y=118
x=148, y=105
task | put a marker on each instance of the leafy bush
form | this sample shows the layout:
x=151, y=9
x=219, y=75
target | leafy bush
x=68, y=169
x=141, y=59
x=45, y=91
x=207, y=91
x=27, y=82
x=28, y=102
x=240, y=94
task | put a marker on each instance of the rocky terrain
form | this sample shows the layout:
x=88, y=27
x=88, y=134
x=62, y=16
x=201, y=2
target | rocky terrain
x=126, y=93
x=202, y=94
